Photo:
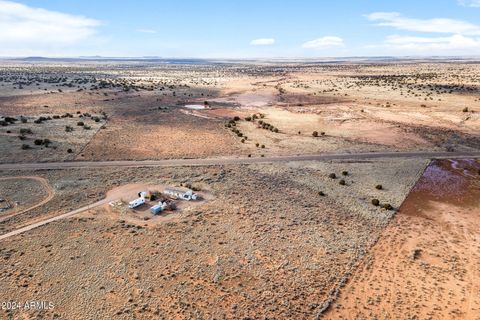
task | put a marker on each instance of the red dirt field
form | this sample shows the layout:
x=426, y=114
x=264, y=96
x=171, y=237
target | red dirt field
x=426, y=265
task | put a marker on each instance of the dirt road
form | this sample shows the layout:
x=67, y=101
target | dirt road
x=212, y=161
x=46, y=186
x=244, y=160
x=112, y=195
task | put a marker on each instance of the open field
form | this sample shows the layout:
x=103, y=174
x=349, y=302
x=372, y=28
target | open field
x=242, y=246
x=363, y=107
x=302, y=169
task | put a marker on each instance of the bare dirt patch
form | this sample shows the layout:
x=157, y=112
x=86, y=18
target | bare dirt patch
x=426, y=263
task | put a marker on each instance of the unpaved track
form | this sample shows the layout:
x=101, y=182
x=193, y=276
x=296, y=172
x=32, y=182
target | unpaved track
x=45, y=184
x=112, y=195
x=202, y=162
x=240, y=160
x=59, y=217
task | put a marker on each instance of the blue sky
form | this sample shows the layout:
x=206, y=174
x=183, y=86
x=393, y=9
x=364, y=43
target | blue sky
x=239, y=29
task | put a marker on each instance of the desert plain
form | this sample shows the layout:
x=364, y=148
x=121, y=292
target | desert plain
x=328, y=189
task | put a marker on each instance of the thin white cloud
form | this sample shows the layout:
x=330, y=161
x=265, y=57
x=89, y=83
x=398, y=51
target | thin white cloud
x=262, y=42
x=435, y=25
x=27, y=29
x=469, y=3
x=454, y=42
x=411, y=45
x=324, y=42
x=147, y=30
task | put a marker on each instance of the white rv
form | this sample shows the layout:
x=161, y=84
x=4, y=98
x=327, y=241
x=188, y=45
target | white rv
x=136, y=203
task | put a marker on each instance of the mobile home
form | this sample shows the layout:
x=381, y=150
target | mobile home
x=181, y=193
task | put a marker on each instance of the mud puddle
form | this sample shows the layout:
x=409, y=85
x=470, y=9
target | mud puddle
x=452, y=182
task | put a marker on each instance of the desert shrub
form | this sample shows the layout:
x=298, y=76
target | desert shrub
x=46, y=142
x=321, y=193
x=257, y=144
x=96, y=119
x=10, y=119
x=24, y=131
x=248, y=119
x=262, y=155
x=80, y=123
x=23, y=119
x=379, y=187
x=249, y=156
x=332, y=176
x=22, y=137
x=38, y=142
x=87, y=127
x=375, y=202
x=56, y=117
x=69, y=150
x=3, y=123
x=236, y=118
x=68, y=128
x=345, y=173
x=415, y=253
x=341, y=182
x=37, y=121
x=25, y=146
x=262, y=146
x=465, y=109
x=275, y=130
x=322, y=133
x=315, y=133
x=387, y=206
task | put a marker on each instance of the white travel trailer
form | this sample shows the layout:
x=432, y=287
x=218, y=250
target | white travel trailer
x=136, y=203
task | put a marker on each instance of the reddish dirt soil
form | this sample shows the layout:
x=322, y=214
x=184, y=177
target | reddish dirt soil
x=426, y=264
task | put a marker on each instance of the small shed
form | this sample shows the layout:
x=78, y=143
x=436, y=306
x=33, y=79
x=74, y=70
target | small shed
x=156, y=209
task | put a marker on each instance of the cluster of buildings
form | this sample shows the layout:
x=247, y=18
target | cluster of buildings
x=175, y=193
